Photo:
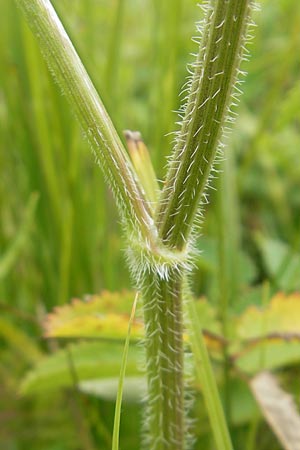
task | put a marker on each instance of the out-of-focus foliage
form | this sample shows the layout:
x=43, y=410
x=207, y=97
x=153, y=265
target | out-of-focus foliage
x=59, y=232
x=83, y=361
x=103, y=316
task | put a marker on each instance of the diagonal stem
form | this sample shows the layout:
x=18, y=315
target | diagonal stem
x=70, y=73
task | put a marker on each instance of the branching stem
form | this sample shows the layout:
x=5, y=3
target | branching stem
x=157, y=251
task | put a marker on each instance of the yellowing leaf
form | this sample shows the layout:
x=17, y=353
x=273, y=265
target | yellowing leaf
x=281, y=318
x=98, y=316
x=269, y=337
x=107, y=315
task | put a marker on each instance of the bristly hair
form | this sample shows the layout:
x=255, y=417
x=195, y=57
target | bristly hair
x=198, y=148
x=205, y=117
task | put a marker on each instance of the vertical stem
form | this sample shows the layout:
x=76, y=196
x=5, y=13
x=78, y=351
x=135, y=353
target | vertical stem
x=161, y=280
x=165, y=427
x=204, y=117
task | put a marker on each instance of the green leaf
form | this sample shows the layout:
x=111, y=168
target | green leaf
x=95, y=360
x=134, y=389
x=281, y=262
x=269, y=355
x=209, y=260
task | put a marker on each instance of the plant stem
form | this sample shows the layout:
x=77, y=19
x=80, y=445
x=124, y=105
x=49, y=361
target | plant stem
x=68, y=70
x=165, y=427
x=208, y=102
x=157, y=254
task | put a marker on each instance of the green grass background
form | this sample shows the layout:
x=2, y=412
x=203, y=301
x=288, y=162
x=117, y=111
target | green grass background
x=59, y=231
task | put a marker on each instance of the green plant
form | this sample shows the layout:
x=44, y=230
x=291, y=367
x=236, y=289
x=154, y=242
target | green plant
x=160, y=235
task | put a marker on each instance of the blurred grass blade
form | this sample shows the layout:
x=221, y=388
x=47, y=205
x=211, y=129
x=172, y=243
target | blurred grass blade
x=113, y=54
x=43, y=132
x=9, y=258
x=116, y=429
x=18, y=342
x=207, y=380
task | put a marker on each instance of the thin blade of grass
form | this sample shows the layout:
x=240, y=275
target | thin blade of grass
x=9, y=258
x=116, y=429
x=205, y=377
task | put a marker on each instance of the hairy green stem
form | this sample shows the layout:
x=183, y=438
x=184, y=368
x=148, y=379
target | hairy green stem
x=68, y=70
x=157, y=252
x=165, y=418
x=215, y=72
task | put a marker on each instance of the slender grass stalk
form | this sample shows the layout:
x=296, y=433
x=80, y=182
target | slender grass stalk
x=116, y=429
x=159, y=247
x=9, y=258
x=43, y=135
x=207, y=381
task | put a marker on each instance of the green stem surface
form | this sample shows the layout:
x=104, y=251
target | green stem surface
x=70, y=73
x=215, y=73
x=165, y=418
x=157, y=252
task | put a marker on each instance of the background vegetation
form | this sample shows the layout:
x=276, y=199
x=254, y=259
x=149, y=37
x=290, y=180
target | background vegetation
x=59, y=231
